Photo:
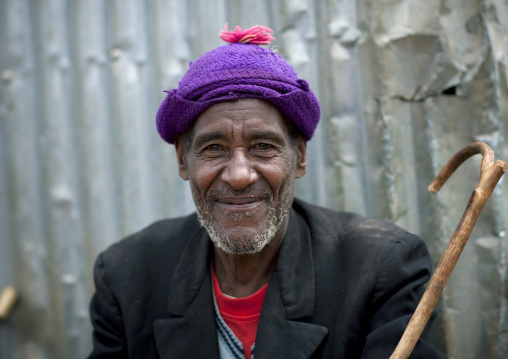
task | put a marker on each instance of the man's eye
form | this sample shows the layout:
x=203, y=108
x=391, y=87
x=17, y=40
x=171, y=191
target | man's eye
x=214, y=148
x=262, y=146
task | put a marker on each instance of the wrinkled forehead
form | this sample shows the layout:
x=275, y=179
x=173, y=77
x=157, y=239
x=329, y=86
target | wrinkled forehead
x=236, y=107
x=250, y=111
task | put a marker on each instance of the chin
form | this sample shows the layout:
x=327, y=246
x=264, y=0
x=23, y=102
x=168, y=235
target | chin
x=242, y=241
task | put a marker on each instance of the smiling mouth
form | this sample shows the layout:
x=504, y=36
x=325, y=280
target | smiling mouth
x=240, y=203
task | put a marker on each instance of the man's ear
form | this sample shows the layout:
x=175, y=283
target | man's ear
x=180, y=157
x=301, y=158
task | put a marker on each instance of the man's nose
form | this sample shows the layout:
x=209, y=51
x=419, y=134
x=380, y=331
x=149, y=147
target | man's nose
x=239, y=172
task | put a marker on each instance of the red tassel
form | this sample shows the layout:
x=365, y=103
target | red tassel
x=258, y=35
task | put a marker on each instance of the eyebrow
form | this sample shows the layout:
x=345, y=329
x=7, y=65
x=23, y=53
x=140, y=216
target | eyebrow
x=209, y=136
x=267, y=135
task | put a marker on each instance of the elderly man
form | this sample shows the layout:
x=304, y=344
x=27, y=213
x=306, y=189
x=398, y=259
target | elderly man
x=255, y=272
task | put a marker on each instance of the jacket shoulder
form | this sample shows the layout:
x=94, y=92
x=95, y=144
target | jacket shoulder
x=162, y=232
x=154, y=248
x=347, y=226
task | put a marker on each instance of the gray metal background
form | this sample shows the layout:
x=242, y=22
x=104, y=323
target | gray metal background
x=403, y=85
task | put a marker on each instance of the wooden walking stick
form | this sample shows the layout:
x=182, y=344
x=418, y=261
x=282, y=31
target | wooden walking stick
x=490, y=173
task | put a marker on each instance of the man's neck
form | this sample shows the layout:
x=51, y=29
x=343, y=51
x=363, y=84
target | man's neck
x=241, y=275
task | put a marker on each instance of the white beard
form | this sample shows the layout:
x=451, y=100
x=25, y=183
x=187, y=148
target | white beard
x=242, y=243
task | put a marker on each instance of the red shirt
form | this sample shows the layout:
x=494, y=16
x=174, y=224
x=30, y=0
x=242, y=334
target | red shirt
x=241, y=315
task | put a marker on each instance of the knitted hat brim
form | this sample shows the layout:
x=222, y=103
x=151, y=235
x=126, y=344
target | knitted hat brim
x=176, y=114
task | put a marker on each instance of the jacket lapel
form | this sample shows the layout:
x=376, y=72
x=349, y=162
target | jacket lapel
x=289, y=301
x=191, y=332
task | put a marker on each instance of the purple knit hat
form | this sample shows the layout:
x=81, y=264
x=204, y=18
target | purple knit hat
x=232, y=72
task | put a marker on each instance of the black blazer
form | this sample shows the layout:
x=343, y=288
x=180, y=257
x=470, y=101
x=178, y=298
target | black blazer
x=344, y=287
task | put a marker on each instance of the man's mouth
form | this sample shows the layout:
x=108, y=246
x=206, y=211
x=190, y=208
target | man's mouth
x=239, y=203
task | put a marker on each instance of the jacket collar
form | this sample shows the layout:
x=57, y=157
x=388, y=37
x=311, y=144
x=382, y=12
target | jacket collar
x=192, y=269
x=289, y=300
x=190, y=333
x=294, y=272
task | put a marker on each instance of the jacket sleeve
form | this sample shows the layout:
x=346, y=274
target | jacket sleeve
x=399, y=288
x=106, y=317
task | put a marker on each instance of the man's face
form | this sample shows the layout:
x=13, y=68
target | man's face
x=242, y=165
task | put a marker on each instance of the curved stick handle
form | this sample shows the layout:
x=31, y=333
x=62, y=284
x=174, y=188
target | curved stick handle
x=454, y=162
x=490, y=174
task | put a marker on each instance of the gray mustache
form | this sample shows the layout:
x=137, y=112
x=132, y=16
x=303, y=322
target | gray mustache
x=254, y=190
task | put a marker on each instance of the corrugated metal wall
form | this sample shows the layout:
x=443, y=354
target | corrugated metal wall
x=403, y=85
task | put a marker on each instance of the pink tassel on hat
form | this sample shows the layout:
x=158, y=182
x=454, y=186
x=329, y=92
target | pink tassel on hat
x=258, y=35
